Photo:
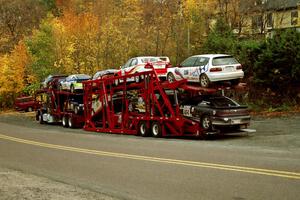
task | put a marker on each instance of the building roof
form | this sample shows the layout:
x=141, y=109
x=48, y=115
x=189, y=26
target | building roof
x=266, y=5
x=281, y=4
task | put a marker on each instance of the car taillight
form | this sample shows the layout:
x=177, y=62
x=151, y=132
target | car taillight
x=239, y=67
x=215, y=69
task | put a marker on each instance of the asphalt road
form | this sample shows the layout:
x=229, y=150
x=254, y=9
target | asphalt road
x=130, y=167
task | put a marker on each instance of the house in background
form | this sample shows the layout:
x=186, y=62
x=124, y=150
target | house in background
x=265, y=17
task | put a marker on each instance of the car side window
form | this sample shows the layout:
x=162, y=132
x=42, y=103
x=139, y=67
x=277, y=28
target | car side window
x=134, y=62
x=127, y=64
x=69, y=78
x=189, y=62
x=201, y=61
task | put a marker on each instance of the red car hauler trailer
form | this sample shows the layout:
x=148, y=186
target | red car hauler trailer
x=144, y=107
x=60, y=106
x=137, y=104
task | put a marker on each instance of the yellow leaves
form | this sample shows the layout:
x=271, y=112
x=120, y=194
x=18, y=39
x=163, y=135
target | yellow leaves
x=13, y=66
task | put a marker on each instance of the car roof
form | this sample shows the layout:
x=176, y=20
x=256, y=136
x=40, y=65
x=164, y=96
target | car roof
x=143, y=57
x=211, y=55
x=80, y=75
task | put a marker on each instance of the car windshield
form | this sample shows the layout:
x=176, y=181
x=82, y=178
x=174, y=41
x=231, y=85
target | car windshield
x=150, y=59
x=222, y=102
x=225, y=60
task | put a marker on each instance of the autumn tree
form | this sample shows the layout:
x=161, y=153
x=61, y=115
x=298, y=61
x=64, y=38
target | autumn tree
x=41, y=48
x=18, y=18
x=13, y=74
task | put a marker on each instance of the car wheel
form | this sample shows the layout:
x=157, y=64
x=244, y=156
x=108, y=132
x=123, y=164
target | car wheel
x=156, y=129
x=204, y=81
x=72, y=89
x=206, y=123
x=29, y=109
x=170, y=77
x=143, y=131
x=64, y=121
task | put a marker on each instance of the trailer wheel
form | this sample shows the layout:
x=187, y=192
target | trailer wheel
x=206, y=122
x=156, y=129
x=64, y=121
x=70, y=122
x=143, y=131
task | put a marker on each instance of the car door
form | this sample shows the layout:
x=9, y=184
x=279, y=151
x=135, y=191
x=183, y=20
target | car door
x=200, y=66
x=186, y=68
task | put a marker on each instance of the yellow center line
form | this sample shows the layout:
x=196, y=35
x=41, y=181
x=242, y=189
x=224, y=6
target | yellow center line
x=268, y=172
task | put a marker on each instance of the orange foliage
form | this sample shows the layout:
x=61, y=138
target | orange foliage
x=13, y=70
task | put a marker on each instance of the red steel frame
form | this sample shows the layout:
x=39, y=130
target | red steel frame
x=149, y=87
x=59, y=111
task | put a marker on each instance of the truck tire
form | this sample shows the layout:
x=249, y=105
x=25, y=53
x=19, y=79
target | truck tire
x=156, y=129
x=41, y=121
x=64, y=121
x=142, y=129
x=71, y=122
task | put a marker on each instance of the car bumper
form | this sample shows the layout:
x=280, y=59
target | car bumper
x=213, y=77
x=230, y=121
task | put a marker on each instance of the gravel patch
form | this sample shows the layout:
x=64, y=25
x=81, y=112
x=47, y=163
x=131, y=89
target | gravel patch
x=16, y=185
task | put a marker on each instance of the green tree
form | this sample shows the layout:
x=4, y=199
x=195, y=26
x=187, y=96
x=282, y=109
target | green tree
x=41, y=48
x=278, y=66
x=220, y=39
